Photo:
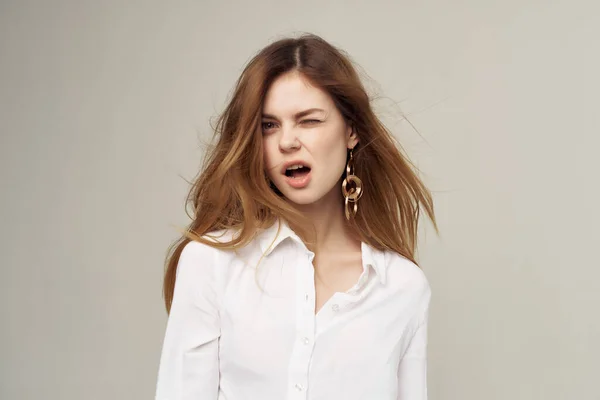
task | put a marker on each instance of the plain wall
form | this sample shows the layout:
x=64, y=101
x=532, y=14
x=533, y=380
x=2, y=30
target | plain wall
x=103, y=106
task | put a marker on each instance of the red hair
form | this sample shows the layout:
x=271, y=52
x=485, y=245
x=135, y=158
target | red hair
x=233, y=191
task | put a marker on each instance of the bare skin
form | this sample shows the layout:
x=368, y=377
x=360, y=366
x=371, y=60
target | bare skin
x=321, y=139
x=335, y=272
x=338, y=257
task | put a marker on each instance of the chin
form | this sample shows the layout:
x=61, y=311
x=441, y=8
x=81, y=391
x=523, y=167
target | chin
x=302, y=199
x=314, y=192
x=308, y=196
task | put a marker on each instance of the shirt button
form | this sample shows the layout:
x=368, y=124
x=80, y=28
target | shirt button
x=335, y=307
x=298, y=387
x=306, y=297
x=306, y=340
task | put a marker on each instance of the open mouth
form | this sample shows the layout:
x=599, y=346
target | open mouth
x=297, y=171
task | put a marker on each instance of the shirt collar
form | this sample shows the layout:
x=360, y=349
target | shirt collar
x=269, y=239
x=376, y=259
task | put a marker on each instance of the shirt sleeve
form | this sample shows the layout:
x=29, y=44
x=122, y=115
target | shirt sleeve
x=412, y=371
x=189, y=363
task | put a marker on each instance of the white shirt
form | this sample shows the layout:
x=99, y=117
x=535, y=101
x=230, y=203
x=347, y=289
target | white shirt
x=227, y=338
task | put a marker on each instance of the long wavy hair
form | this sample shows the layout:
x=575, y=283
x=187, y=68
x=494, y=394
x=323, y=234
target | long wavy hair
x=232, y=190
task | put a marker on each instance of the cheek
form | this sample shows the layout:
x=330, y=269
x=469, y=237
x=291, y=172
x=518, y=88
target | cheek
x=269, y=154
x=332, y=153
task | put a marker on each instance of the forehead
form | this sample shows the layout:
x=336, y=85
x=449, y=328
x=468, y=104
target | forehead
x=292, y=92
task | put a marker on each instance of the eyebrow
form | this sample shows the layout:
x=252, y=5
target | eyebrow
x=298, y=115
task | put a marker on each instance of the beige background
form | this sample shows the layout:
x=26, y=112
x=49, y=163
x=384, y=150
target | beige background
x=102, y=108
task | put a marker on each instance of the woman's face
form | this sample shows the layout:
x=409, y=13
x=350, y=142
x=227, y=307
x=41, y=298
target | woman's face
x=302, y=127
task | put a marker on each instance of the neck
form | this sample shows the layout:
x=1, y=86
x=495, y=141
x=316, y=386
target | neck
x=331, y=227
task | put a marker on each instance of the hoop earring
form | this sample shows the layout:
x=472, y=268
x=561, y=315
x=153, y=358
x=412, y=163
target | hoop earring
x=351, y=189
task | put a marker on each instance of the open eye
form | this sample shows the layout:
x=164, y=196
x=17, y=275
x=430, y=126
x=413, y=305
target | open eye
x=268, y=125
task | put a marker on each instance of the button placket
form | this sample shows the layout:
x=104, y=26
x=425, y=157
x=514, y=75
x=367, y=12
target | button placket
x=305, y=325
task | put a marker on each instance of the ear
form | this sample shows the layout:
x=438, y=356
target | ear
x=351, y=137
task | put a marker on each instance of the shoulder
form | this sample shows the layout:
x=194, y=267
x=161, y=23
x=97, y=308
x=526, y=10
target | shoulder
x=405, y=276
x=197, y=251
x=195, y=247
x=196, y=261
x=201, y=258
x=221, y=235
x=206, y=258
x=409, y=287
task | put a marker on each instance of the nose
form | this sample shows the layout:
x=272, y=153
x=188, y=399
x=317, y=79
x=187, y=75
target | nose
x=288, y=141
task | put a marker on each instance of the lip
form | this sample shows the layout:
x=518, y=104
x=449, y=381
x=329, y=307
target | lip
x=293, y=162
x=298, y=183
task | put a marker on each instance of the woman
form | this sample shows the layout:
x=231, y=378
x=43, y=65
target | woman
x=296, y=278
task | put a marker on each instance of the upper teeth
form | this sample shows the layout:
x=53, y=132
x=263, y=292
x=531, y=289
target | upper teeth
x=295, y=166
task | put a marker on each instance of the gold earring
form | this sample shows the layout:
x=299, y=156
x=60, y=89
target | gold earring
x=351, y=188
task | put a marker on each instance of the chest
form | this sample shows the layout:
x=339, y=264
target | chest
x=273, y=334
x=318, y=307
x=335, y=274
